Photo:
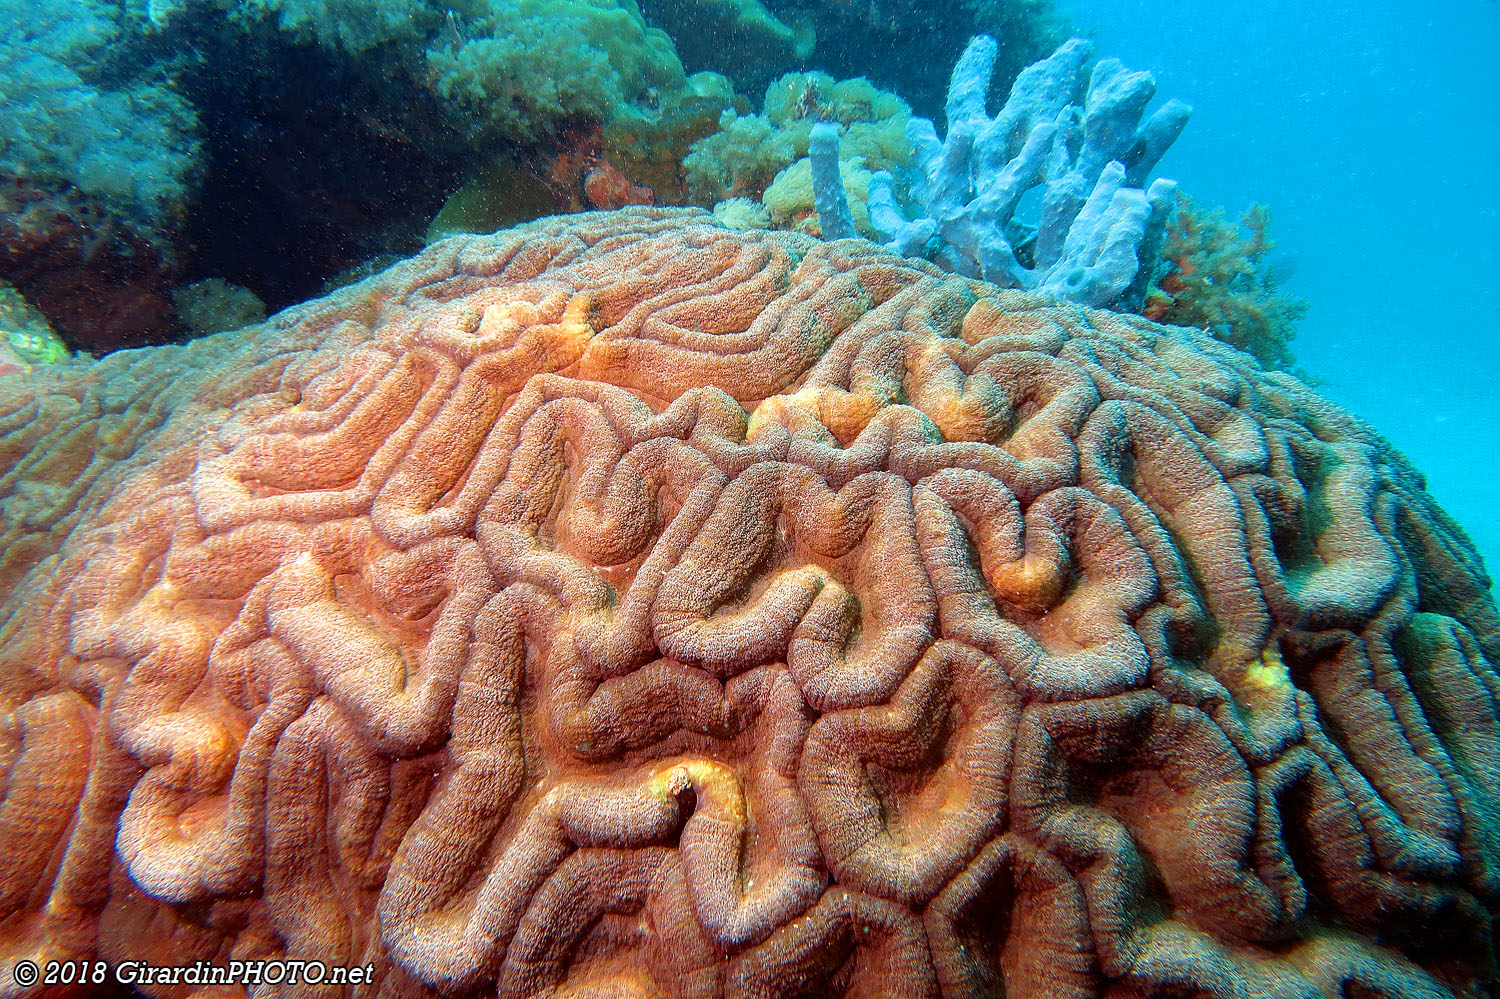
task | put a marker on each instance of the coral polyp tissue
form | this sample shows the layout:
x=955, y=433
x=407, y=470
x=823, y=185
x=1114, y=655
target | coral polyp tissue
x=628, y=605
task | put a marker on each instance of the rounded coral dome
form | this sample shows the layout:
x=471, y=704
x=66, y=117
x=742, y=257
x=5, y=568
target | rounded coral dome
x=622, y=605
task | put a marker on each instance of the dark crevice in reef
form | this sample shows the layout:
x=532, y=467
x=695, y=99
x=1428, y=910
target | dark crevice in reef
x=313, y=164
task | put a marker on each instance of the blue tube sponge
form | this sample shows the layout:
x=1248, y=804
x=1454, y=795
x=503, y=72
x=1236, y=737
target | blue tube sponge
x=829, y=197
x=1098, y=226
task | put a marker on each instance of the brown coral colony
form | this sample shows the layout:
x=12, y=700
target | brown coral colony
x=622, y=605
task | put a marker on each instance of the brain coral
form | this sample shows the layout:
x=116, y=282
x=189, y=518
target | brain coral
x=628, y=606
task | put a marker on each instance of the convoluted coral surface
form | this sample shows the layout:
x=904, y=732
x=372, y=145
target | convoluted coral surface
x=628, y=606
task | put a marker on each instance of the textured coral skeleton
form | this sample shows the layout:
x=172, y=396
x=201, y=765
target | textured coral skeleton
x=625, y=605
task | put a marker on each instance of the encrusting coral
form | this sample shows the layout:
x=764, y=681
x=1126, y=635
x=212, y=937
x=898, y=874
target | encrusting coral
x=130, y=143
x=626, y=605
x=526, y=65
x=764, y=155
x=349, y=27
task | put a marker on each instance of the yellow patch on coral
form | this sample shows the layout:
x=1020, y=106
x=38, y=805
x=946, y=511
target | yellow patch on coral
x=1269, y=672
x=1032, y=582
x=843, y=414
x=982, y=320
x=710, y=780
x=959, y=417
x=937, y=387
x=846, y=414
x=572, y=334
x=505, y=319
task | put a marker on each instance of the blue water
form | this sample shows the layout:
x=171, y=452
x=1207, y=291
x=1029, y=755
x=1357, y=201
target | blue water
x=1372, y=129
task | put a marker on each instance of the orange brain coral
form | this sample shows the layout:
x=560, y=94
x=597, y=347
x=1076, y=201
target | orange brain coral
x=626, y=606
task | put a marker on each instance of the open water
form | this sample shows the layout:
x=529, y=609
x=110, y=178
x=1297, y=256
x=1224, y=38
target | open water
x=1372, y=129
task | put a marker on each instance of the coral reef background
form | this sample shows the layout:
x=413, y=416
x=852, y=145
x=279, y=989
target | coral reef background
x=270, y=150
x=1361, y=127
